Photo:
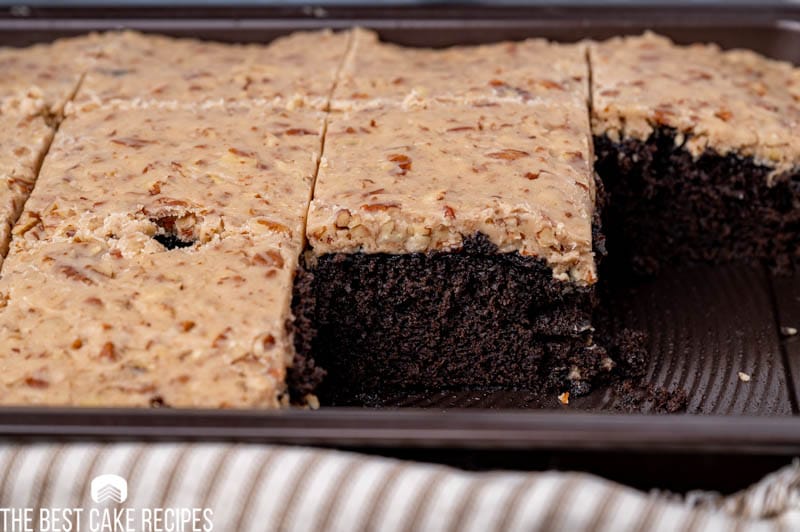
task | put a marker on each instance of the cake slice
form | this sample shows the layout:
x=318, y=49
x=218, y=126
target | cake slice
x=293, y=71
x=699, y=151
x=377, y=73
x=36, y=84
x=154, y=262
x=23, y=143
x=451, y=247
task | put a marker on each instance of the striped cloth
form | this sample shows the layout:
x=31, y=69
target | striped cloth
x=265, y=488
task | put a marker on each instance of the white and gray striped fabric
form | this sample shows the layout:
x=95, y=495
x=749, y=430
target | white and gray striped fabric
x=266, y=488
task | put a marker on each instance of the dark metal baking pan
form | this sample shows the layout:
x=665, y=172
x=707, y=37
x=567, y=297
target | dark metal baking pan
x=705, y=325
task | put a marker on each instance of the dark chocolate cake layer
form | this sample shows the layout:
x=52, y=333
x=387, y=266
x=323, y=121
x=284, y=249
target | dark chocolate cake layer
x=473, y=319
x=666, y=208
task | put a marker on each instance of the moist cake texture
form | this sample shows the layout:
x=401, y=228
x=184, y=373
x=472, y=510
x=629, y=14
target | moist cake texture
x=699, y=152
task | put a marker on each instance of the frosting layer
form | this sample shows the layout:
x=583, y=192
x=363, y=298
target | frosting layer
x=418, y=179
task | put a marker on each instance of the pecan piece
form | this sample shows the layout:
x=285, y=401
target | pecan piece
x=508, y=154
x=275, y=226
x=108, y=352
x=724, y=115
x=403, y=163
x=75, y=275
x=374, y=207
x=269, y=258
x=241, y=153
x=132, y=142
x=299, y=131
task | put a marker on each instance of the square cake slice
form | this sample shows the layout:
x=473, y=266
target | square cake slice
x=23, y=143
x=377, y=73
x=293, y=71
x=452, y=248
x=155, y=260
x=87, y=323
x=699, y=150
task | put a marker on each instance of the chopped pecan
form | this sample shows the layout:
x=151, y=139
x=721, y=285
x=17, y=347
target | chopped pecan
x=108, y=352
x=508, y=154
x=36, y=382
x=241, y=153
x=724, y=115
x=449, y=212
x=221, y=338
x=269, y=258
x=373, y=207
x=75, y=275
x=299, y=131
x=172, y=202
x=550, y=84
x=403, y=163
x=275, y=226
x=132, y=142
x=342, y=219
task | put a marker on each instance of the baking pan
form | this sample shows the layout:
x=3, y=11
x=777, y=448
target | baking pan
x=705, y=325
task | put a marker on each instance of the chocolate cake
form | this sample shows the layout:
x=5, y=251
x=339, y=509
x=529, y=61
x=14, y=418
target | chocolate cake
x=213, y=225
x=699, y=151
x=154, y=261
x=450, y=232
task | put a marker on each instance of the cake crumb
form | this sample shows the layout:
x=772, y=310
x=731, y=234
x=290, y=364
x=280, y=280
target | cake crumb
x=311, y=401
x=788, y=331
x=564, y=398
x=744, y=377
